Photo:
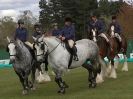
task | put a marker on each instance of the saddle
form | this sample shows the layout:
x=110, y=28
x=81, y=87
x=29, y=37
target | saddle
x=71, y=52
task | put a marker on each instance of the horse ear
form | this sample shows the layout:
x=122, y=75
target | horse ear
x=34, y=38
x=8, y=39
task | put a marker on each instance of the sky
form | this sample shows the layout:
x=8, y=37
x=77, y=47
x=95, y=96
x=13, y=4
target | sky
x=14, y=7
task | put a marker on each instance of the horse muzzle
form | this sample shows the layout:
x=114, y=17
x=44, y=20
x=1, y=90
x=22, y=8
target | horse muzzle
x=11, y=61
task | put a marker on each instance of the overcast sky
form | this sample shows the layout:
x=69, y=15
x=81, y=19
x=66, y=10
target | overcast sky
x=13, y=7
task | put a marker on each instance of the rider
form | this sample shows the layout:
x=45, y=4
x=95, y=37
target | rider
x=117, y=29
x=21, y=32
x=99, y=27
x=56, y=30
x=37, y=30
x=68, y=34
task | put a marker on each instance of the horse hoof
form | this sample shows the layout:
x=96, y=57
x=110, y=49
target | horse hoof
x=25, y=92
x=93, y=85
x=33, y=88
x=62, y=91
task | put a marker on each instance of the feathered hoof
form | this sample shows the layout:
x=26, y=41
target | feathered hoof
x=93, y=85
x=125, y=67
x=99, y=79
x=24, y=92
x=33, y=88
x=125, y=70
x=113, y=74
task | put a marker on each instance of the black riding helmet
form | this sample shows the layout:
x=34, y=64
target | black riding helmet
x=114, y=17
x=68, y=19
x=20, y=21
x=37, y=25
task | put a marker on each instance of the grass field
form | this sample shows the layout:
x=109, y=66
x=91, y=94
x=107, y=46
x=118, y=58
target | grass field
x=120, y=88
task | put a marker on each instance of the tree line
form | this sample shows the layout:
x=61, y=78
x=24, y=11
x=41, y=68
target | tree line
x=79, y=10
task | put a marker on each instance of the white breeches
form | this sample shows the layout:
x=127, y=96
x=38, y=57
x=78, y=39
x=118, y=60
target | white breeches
x=71, y=43
x=29, y=44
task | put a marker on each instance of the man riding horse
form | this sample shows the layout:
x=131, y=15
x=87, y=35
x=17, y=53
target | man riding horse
x=117, y=30
x=67, y=34
x=99, y=27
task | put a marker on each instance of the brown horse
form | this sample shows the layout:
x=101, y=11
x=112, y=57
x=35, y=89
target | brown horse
x=105, y=51
x=119, y=44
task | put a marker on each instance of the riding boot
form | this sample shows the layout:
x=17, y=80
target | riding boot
x=74, y=50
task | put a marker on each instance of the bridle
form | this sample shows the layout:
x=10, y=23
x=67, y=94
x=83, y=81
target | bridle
x=47, y=46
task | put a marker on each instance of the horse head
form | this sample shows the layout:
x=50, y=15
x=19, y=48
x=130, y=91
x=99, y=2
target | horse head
x=11, y=48
x=39, y=47
x=112, y=31
x=94, y=34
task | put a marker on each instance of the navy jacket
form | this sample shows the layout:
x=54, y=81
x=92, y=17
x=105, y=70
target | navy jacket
x=117, y=28
x=56, y=32
x=99, y=25
x=21, y=34
x=68, y=32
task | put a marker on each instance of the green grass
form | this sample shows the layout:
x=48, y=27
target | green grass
x=120, y=88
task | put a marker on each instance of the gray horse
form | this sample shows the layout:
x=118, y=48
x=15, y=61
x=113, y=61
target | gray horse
x=58, y=58
x=23, y=63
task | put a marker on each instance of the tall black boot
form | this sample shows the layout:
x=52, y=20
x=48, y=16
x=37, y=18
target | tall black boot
x=74, y=50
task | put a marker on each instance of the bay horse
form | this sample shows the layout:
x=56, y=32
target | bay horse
x=119, y=47
x=105, y=51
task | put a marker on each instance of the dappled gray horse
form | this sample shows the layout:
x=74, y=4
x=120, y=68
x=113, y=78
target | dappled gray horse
x=23, y=63
x=58, y=58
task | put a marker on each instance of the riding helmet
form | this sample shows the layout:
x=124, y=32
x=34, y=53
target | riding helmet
x=20, y=21
x=37, y=25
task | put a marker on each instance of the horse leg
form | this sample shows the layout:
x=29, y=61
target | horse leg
x=33, y=76
x=21, y=78
x=62, y=85
x=39, y=74
x=116, y=63
x=125, y=65
x=45, y=74
x=113, y=70
x=103, y=65
x=91, y=79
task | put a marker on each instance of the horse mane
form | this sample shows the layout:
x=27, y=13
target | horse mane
x=21, y=49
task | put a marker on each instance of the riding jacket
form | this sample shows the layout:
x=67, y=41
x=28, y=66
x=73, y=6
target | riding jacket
x=55, y=32
x=117, y=27
x=68, y=32
x=21, y=34
x=98, y=25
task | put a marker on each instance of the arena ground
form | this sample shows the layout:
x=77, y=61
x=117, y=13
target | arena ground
x=120, y=88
